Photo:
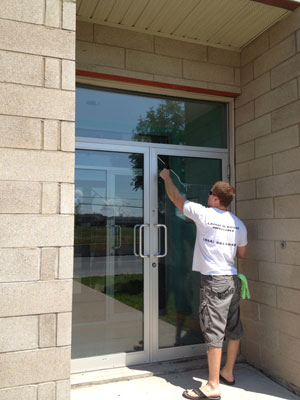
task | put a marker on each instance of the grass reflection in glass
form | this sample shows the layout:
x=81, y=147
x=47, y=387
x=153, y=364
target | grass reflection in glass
x=126, y=288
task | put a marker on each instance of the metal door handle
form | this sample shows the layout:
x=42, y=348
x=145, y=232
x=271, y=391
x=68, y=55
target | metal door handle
x=140, y=244
x=134, y=240
x=158, y=226
x=119, y=235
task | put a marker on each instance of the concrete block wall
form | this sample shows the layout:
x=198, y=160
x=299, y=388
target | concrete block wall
x=115, y=51
x=37, y=113
x=268, y=194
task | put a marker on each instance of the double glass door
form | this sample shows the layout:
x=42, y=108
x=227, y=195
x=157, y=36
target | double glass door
x=136, y=297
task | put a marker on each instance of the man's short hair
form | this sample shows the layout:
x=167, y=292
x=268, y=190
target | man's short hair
x=224, y=191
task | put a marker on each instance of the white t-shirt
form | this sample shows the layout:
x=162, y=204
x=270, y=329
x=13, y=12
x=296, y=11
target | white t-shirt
x=219, y=233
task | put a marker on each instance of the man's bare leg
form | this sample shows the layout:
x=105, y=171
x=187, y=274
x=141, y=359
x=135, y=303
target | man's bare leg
x=212, y=387
x=232, y=351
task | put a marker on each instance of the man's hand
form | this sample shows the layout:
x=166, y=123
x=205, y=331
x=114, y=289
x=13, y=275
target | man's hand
x=165, y=174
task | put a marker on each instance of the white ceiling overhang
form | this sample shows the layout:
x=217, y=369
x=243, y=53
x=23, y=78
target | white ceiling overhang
x=229, y=24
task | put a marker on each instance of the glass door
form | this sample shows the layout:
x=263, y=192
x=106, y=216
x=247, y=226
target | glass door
x=135, y=296
x=176, y=287
x=111, y=258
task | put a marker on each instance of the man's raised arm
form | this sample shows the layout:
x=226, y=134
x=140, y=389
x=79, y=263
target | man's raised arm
x=173, y=193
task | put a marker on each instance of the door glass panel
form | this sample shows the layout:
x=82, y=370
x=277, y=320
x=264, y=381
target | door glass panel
x=179, y=286
x=108, y=276
x=148, y=118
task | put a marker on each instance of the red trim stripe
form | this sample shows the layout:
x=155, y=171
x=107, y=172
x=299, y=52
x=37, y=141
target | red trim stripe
x=155, y=84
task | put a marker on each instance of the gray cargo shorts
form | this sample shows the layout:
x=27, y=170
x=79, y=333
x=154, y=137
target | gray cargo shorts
x=220, y=308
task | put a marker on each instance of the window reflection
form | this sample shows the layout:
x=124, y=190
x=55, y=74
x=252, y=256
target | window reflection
x=118, y=115
x=108, y=276
x=178, y=284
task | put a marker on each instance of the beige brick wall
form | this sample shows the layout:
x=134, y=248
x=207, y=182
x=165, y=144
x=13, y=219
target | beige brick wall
x=268, y=195
x=136, y=55
x=37, y=113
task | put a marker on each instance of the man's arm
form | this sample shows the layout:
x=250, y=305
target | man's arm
x=173, y=193
x=242, y=251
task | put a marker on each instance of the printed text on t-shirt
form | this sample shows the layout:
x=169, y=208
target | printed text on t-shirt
x=219, y=242
x=221, y=227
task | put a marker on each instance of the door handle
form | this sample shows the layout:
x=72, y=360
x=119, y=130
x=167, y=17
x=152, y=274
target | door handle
x=140, y=244
x=119, y=236
x=134, y=240
x=158, y=226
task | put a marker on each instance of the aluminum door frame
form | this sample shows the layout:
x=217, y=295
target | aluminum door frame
x=178, y=352
x=151, y=352
x=139, y=357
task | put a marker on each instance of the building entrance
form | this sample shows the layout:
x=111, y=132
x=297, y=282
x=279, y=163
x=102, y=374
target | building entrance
x=136, y=297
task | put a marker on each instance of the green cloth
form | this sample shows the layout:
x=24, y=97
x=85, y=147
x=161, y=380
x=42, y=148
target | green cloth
x=244, y=288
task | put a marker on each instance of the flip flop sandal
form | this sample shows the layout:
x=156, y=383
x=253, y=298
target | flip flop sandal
x=200, y=395
x=226, y=382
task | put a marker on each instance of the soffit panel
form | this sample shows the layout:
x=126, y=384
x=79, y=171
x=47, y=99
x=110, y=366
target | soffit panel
x=247, y=23
x=221, y=23
x=78, y=3
x=169, y=19
x=150, y=13
x=134, y=11
x=87, y=7
x=119, y=10
x=102, y=11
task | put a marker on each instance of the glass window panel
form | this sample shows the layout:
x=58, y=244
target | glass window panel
x=108, y=277
x=178, y=284
x=118, y=115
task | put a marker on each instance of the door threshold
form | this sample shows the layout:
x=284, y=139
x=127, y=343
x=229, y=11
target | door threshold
x=119, y=374
x=102, y=377
x=136, y=372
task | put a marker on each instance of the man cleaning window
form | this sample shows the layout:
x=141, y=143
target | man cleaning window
x=221, y=236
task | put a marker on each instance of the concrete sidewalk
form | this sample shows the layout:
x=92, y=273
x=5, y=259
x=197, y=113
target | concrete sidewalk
x=161, y=384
